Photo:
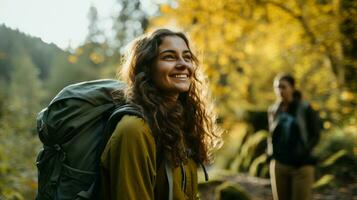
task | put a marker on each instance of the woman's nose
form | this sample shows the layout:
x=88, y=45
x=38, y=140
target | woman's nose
x=181, y=63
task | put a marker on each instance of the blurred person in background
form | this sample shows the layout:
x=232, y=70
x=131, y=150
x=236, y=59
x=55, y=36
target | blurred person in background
x=294, y=131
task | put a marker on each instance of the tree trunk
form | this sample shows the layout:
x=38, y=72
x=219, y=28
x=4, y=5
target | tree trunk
x=348, y=29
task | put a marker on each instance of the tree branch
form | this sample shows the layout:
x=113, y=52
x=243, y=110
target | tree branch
x=298, y=17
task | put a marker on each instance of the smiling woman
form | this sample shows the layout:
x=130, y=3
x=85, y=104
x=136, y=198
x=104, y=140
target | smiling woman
x=173, y=67
x=157, y=157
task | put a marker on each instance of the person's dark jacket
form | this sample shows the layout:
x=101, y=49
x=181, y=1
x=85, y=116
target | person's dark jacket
x=313, y=128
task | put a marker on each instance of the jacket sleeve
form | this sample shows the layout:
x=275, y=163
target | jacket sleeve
x=314, y=126
x=129, y=161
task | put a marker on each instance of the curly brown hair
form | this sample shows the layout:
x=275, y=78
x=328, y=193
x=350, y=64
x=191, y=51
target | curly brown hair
x=183, y=128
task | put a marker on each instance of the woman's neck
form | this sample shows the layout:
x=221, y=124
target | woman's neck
x=287, y=101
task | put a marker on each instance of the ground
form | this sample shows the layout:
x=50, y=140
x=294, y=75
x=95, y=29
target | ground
x=259, y=189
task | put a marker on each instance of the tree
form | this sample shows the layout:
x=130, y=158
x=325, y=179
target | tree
x=348, y=29
x=17, y=127
x=95, y=33
x=246, y=43
x=130, y=22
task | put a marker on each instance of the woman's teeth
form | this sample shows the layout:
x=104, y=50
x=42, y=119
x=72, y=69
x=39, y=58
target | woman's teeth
x=181, y=76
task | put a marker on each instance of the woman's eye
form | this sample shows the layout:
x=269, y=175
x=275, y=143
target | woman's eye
x=188, y=58
x=169, y=57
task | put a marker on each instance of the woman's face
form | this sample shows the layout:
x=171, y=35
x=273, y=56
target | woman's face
x=173, y=67
x=283, y=90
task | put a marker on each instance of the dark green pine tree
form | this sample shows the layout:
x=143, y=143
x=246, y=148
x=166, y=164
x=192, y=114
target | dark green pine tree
x=95, y=34
x=130, y=22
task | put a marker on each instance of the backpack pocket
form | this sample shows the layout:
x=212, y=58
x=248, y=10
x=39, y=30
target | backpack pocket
x=46, y=163
x=73, y=181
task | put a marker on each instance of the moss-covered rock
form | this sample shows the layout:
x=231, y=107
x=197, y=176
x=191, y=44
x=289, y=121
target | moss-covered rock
x=231, y=191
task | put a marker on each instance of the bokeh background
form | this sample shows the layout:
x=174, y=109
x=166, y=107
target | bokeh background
x=242, y=45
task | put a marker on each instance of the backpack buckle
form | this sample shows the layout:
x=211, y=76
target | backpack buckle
x=59, y=149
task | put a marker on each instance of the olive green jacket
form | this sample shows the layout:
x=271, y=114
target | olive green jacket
x=129, y=171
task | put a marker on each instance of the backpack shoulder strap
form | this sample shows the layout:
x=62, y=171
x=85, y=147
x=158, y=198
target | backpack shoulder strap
x=129, y=109
x=114, y=118
x=301, y=119
x=117, y=114
x=205, y=171
x=272, y=115
x=168, y=172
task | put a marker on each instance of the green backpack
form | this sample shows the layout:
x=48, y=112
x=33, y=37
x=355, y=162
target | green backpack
x=74, y=129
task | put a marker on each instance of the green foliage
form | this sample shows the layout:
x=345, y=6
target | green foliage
x=251, y=156
x=333, y=158
x=233, y=144
x=95, y=34
x=69, y=69
x=17, y=142
x=324, y=180
x=19, y=44
x=259, y=164
x=32, y=72
x=130, y=22
x=243, y=46
x=337, y=157
x=258, y=39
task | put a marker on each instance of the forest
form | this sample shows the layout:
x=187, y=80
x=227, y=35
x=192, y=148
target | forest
x=241, y=44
